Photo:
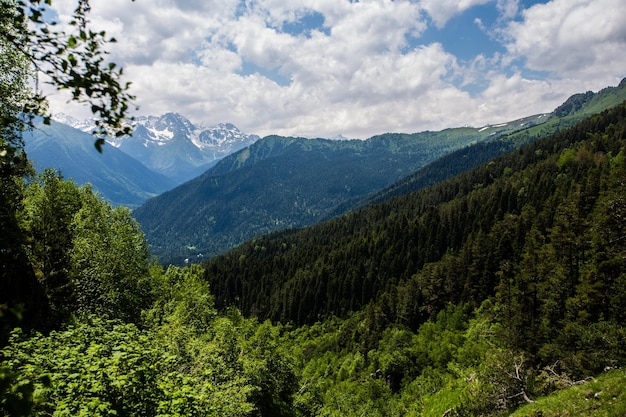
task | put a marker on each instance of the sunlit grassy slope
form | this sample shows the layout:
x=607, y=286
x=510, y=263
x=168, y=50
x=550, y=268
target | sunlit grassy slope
x=602, y=396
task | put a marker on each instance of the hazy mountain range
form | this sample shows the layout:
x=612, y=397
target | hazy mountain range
x=118, y=177
x=173, y=146
x=163, y=152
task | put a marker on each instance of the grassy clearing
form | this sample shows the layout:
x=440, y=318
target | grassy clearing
x=602, y=396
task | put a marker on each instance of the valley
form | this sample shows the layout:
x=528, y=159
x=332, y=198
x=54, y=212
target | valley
x=172, y=265
x=488, y=282
x=496, y=291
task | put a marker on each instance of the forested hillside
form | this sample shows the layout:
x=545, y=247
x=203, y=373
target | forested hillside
x=451, y=240
x=473, y=297
x=279, y=183
x=529, y=248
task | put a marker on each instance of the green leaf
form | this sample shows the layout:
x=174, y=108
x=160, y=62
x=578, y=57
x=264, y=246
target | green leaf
x=98, y=144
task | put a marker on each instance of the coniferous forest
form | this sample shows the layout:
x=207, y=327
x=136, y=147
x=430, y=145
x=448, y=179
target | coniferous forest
x=498, y=291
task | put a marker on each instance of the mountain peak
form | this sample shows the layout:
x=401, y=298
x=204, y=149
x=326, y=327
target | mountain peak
x=171, y=144
x=175, y=120
x=86, y=125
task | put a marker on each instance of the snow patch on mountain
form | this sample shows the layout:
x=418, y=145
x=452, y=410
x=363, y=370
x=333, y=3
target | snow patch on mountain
x=223, y=134
x=159, y=130
x=87, y=125
x=171, y=145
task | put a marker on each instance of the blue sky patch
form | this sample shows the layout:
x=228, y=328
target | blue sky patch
x=305, y=25
x=273, y=74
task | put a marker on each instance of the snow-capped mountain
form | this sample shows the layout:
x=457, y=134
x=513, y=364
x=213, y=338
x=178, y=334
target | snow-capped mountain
x=170, y=144
x=119, y=178
x=86, y=125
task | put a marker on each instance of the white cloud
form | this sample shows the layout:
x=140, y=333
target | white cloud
x=382, y=91
x=157, y=29
x=442, y=10
x=508, y=9
x=573, y=38
x=356, y=75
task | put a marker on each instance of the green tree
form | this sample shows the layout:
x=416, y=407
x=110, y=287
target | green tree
x=270, y=370
x=238, y=362
x=110, y=261
x=21, y=295
x=31, y=46
x=97, y=368
x=19, y=289
x=50, y=206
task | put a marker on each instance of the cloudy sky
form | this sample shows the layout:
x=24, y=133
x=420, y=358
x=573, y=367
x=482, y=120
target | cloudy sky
x=323, y=68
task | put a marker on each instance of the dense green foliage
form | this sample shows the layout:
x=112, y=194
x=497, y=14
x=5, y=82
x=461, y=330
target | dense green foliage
x=470, y=298
x=529, y=248
x=180, y=359
x=88, y=257
x=279, y=183
x=445, y=244
x=120, y=334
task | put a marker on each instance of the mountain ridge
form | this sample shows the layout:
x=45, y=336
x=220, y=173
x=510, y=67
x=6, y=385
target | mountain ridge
x=285, y=182
x=574, y=109
x=172, y=145
x=118, y=177
x=219, y=212
x=342, y=264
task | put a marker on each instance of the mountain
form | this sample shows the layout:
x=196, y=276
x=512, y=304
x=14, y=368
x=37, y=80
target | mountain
x=499, y=288
x=119, y=178
x=171, y=145
x=280, y=183
x=572, y=111
x=477, y=295
x=454, y=242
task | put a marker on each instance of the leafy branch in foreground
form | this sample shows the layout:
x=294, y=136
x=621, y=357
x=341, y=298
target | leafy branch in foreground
x=72, y=60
